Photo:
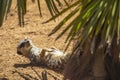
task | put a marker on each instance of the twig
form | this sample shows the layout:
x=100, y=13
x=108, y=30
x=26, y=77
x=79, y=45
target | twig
x=36, y=73
x=22, y=75
x=44, y=75
x=55, y=78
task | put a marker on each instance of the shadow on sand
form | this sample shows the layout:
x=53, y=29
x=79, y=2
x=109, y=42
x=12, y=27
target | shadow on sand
x=41, y=76
x=36, y=65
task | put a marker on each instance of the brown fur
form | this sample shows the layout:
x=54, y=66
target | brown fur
x=79, y=65
x=75, y=69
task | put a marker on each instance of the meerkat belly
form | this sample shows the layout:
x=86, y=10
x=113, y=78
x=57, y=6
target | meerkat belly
x=35, y=56
x=55, y=60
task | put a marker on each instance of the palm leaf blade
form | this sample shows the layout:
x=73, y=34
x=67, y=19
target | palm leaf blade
x=64, y=21
x=38, y=1
x=3, y=10
x=63, y=11
x=118, y=31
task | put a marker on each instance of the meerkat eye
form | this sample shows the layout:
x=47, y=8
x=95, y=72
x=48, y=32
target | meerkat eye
x=22, y=45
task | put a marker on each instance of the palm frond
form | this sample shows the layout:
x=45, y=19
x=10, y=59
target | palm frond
x=21, y=11
x=52, y=7
x=8, y=7
x=95, y=17
x=64, y=10
x=38, y=1
x=3, y=4
x=64, y=21
x=118, y=20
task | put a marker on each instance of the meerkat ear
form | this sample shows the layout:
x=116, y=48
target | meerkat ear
x=26, y=37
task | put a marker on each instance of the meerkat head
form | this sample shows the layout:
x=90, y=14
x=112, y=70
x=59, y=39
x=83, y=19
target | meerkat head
x=24, y=47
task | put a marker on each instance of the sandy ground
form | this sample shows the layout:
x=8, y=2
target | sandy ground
x=15, y=67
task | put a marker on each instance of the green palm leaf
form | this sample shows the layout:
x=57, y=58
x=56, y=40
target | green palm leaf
x=95, y=17
x=38, y=1
x=21, y=11
x=3, y=4
x=118, y=29
x=64, y=10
